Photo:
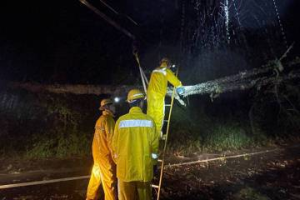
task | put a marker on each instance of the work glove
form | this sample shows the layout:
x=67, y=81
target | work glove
x=180, y=90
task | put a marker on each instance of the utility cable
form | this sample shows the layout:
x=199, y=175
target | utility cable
x=107, y=19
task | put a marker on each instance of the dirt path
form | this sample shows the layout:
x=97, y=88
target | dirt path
x=274, y=175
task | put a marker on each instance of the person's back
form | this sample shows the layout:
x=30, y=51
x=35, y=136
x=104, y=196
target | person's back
x=135, y=148
x=134, y=139
x=157, y=90
x=159, y=80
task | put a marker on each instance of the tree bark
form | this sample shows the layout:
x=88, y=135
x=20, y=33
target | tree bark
x=270, y=74
x=247, y=79
x=74, y=89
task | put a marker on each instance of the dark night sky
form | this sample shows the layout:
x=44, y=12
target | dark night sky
x=64, y=42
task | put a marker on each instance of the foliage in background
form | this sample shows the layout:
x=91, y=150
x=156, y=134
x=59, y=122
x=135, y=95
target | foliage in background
x=60, y=146
x=275, y=110
x=47, y=125
x=232, y=122
x=204, y=134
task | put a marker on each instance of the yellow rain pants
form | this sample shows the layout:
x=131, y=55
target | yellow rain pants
x=156, y=109
x=94, y=183
x=156, y=93
x=134, y=190
x=104, y=169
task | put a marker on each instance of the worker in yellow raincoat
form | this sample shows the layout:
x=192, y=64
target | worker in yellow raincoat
x=104, y=169
x=157, y=90
x=135, y=148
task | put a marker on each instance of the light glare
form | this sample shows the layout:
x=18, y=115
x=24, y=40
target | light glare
x=117, y=99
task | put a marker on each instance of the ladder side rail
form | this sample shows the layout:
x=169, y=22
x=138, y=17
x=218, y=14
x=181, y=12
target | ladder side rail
x=165, y=146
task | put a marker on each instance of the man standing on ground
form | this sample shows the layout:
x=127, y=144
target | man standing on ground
x=135, y=148
x=157, y=90
x=104, y=169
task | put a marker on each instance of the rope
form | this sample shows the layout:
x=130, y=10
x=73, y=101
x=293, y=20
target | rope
x=145, y=81
x=221, y=158
x=107, y=19
x=166, y=166
x=230, y=157
x=42, y=182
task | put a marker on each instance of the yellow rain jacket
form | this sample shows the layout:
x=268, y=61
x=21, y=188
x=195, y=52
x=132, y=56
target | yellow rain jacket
x=104, y=169
x=104, y=130
x=159, y=80
x=134, y=144
x=156, y=93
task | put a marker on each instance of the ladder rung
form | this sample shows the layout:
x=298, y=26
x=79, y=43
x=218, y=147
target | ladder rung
x=166, y=120
x=155, y=186
x=168, y=105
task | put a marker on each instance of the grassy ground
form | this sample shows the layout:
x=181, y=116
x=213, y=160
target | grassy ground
x=207, y=133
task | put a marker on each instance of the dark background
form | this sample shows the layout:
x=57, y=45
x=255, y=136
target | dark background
x=65, y=42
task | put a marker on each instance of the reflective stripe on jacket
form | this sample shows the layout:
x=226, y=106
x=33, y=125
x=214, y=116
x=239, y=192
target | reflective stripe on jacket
x=134, y=142
x=159, y=80
x=104, y=130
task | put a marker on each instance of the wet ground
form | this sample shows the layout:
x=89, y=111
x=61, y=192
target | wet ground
x=270, y=175
x=274, y=175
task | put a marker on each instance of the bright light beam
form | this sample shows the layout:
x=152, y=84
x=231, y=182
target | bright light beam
x=116, y=99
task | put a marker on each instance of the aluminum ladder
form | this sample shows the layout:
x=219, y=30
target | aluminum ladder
x=164, y=139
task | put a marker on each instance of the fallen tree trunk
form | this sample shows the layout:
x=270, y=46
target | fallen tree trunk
x=273, y=72
x=218, y=88
x=270, y=74
x=73, y=89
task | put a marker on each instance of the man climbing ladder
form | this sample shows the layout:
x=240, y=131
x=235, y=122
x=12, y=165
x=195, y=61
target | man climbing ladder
x=157, y=90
